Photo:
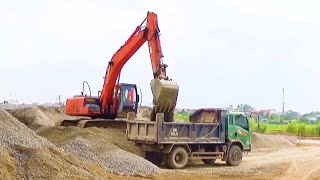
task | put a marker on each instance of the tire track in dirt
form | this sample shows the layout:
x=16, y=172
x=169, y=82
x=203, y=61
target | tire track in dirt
x=304, y=162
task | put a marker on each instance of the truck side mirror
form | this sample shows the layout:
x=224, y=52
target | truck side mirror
x=138, y=98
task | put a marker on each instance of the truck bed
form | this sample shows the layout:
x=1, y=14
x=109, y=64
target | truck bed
x=160, y=132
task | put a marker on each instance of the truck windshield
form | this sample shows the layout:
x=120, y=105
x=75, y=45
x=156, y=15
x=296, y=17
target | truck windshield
x=242, y=121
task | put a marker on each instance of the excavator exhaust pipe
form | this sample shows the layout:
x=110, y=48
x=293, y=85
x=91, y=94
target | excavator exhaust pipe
x=165, y=94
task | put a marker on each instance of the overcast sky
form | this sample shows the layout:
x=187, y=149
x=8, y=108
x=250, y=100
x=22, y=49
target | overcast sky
x=219, y=52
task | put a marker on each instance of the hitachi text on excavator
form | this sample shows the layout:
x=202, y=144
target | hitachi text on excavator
x=116, y=100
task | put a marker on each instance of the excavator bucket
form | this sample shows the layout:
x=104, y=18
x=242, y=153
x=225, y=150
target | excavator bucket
x=165, y=94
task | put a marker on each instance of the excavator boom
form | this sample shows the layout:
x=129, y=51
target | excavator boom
x=109, y=103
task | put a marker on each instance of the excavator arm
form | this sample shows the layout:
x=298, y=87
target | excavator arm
x=164, y=92
x=109, y=104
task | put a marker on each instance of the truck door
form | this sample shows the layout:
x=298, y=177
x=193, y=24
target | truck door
x=242, y=130
x=231, y=126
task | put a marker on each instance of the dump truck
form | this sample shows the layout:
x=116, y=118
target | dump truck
x=226, y=137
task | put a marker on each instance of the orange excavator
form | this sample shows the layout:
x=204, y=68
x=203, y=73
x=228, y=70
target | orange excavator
x=116, y=100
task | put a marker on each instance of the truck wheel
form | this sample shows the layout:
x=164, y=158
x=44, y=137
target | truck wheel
x=234, y=156
x=178, y=158
x=208, y=161
x=153, y=157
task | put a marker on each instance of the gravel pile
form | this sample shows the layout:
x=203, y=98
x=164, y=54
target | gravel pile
x=25, y=155
x=111, y=158
x=14, y=132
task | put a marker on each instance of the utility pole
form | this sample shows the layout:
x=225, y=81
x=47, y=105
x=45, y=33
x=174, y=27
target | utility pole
x=283, y=101
x=59, y=99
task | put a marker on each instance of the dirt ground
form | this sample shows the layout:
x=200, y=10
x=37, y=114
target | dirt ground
x=285, y=163
x=272, y=157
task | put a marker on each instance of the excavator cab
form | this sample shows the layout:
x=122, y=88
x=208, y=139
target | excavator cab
x=127, y=99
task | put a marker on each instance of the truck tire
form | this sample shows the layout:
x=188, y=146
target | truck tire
x=234, y=156
x=208, y=161
x=153, y=157
x=178, y=158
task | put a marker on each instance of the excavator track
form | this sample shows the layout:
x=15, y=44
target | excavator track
x=99, y=123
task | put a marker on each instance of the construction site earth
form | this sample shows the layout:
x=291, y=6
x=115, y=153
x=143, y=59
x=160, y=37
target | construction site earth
x=34, y=146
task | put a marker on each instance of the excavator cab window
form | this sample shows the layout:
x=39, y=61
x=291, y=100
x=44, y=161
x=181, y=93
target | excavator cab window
x=128, y=98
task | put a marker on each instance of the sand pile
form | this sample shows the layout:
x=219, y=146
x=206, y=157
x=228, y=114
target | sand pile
x=25, y=155
x=55, y=114
x=37, y=117
x=31, y=117
x=270, y=141
x=60, y=136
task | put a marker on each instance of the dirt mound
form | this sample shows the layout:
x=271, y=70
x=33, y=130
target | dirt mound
x=37, y=117
x=270, y=141
x=110, y=157
x=8, y=165
x=107, y=147
x=31, y=117
x=44, y=163
x=62, y=135
x=55, y=114
x=25, y=155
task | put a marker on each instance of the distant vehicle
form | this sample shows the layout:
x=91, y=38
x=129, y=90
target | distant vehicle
x=174, y=143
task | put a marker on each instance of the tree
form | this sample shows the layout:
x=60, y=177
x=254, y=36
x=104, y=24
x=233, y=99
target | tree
x=290, y=115
x=245, y=107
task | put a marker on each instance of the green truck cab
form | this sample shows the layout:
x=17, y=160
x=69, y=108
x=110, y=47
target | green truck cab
x=173, y=144
x=238, y=128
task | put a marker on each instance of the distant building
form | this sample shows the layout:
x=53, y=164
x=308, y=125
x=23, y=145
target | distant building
x=15, y=102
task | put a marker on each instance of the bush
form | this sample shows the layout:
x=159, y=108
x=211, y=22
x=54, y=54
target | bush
x=317, y=130
x=291, y=128
x=301, y=129
x=263, y=128
x=253, y=125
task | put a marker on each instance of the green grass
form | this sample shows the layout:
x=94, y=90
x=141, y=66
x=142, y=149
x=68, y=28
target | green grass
x=294, y=128
x=276, y=128
x=181, y=116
